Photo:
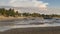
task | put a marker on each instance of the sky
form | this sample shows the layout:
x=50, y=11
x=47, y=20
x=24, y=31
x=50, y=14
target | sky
x=18, y=3
x=43, y=4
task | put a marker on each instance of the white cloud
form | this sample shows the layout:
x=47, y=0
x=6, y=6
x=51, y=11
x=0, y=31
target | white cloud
x=28, y=3
x=12, y=1
x=25, y=3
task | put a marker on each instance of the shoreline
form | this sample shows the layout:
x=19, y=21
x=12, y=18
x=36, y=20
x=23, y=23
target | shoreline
x=2, y=18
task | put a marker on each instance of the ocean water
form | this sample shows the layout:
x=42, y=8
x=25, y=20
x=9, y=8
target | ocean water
x=26, y=23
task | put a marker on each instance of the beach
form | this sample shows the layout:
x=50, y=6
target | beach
x=3, y=18
x=34, y=30
x=9, y=21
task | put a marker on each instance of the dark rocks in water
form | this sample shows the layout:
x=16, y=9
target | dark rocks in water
x=36, y=23
x=56, y=20
x=25, y=19
x=47, y=17
x=32, y=19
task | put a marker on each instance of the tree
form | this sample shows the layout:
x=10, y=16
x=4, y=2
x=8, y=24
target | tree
x=35, y=15
x=11, y=12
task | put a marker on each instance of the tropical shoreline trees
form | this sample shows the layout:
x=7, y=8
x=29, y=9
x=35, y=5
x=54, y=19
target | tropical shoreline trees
x=12, y=13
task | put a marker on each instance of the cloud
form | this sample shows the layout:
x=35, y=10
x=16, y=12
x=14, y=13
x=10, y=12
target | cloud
x=28, y=3
x=24, y=3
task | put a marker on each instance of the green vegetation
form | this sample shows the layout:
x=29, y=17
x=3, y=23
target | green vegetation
x=12, y=13
x=9, y=12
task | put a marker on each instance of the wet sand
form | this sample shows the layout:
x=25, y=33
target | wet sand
x=34, y=30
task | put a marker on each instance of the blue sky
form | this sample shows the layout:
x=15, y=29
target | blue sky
x=52, y=3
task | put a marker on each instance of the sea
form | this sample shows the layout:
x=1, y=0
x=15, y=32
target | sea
x=28, y=23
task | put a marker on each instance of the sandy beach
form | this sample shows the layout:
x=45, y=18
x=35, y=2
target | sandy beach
x=34, y=30
x=2, y=18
